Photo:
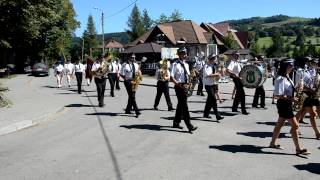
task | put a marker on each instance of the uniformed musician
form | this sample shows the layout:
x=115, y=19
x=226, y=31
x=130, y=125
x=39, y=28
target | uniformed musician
x=100, y=81
x=163, y=85
x=69, y=70
x=179, y=76
x=58, y=73
x=209, y=76
x=79, y=70
x=284, y=92
x=259, y=92
x=128, y=72
x=112, y=75
x=199, y=67
x=234, y=69
x=117, y=61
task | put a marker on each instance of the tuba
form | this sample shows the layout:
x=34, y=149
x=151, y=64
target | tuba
x=163, y=69
x=103, y=70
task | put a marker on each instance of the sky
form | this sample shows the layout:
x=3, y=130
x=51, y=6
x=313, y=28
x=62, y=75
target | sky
x=116, y=16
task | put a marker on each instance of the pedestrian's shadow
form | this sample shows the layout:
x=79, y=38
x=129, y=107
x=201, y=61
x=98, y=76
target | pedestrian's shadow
x=311, y=167
x=80, y=105
x=51, y=87
x=260, y=134
x=222, y=113
x=102, y=114
x=251, y=149
x=151, y=127
x=193, y=119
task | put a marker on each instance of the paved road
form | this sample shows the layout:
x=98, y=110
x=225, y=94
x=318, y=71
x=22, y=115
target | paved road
x=87, y=142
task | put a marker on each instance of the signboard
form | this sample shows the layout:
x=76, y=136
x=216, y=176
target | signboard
x=169, y=53
x=212, y=49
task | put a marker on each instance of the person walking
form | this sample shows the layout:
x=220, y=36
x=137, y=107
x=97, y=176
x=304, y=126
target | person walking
x=88, y=70
x=259, y=92
x=58, y=73
x=69, y=70
x=79, y=70
x=99, y=79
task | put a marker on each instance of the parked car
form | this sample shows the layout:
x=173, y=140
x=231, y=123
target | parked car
x=40, y=69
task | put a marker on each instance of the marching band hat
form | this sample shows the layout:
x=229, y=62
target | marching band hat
x=132, y=55
x=236, y=52
x=212, y=56
x=182, y=50
x=289, y=61
x=314, y=60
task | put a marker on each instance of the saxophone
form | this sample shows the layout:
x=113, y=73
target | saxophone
x=300, y=95
x=164, y=69
x=136, y=81
x=192, y=81
x=103, y=70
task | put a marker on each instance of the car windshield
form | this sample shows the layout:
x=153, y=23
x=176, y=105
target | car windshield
x=39, y=65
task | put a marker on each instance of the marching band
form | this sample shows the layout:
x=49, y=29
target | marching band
x=301, y=92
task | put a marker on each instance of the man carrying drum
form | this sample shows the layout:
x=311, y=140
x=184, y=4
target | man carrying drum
x=234, y=69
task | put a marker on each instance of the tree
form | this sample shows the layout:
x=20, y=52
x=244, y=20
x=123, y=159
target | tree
x=311, y=50
x=255, y=48
x=300, y=38
x=135, y=25
x=163, y=19
x=175, y=16
x=147, y=21
x=90, y=37
x=230, y=42
x=277, y=47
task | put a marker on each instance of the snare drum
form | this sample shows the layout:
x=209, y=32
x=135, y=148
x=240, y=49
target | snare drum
x=253, y=76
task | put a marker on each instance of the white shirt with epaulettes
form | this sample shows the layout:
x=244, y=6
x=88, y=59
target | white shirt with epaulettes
x=127, y=70
x=177, y=71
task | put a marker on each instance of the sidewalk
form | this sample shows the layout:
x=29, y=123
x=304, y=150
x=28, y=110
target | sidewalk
x=35, y=99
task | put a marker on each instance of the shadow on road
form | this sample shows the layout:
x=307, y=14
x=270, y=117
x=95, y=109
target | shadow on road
x=222, y=113
x=102, y=113
x=261, y=134
x=251, y=149
x=152, y=127
x=311, y=167
x=80, y=105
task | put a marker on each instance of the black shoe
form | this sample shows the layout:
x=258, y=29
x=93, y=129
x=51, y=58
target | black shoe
x=137, y=114
x=206, y=116
x=245, y=113
x=155, y=108
x=254, y=106
x=219, y=118
x=177, y=126
x=112, y=95
x=264, y=107
x=198, y=93
x=303, y=122
x=128, y=112
x=193, y=129
x=170, y=109
x=201, y=94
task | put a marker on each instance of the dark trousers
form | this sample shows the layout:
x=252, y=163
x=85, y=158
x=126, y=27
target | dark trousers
x=117, y=83
x=79, y=81
x=211, y=101
x=163, y=87
x=200, y=85
x=112, y=78
x=240, y=96
x=182, y=110
x=101, y=87
x=131, y=97
x=259, y=92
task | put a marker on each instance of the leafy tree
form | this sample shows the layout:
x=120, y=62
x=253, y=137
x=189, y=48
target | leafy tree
x=147, y=21
x=135, y=24
x=300, y=38
x=90, y=37
x=311, y=50
x=277, y=47
x=163, y=19
x=175, y=16
x=230, y=42
x=256, y=50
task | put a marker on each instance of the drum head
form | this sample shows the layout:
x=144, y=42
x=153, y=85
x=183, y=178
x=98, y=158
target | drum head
x=252, y=76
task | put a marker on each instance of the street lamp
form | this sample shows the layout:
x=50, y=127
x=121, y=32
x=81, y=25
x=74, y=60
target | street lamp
x=102, y=20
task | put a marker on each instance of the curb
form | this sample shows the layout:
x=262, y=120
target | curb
x=28, y=123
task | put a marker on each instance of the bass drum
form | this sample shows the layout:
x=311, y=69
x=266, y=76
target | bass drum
x=253, y=76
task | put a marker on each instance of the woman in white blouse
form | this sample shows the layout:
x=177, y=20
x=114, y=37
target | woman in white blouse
x=284, y=92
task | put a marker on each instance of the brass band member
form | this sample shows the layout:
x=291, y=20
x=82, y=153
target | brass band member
x=199, y=67
x=88, y=70
x=112, y=75
x=283, y=91
x=310, y=87
x=99, y=80
x=209, y=76
x=128, y=72
x=259, y=92
x=79, y=70
x=163, y=77
x=234, y=69
x=179, y=76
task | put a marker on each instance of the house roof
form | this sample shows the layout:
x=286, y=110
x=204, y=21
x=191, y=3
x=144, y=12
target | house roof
x=241, y=51
x=223, y=28
x=243, y=37
x=113, y=44
x=144, y=48
x=176, y=31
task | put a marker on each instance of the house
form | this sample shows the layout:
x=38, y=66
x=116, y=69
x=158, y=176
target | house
x=113, y=45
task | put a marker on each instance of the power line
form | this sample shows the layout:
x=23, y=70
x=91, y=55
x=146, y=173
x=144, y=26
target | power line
x=118, y=12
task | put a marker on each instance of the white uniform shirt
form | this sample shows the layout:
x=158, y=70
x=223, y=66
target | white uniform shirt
x=309, y=78
x=113, y=68
x=299, y=75
x=207, y=70
x=199, y=64
x=235, y=67
x=127, y=70
x=79, y=67
x=283, y=86
x=58, y=68
x=177, y=72
x=69, y=68
x=96, y=66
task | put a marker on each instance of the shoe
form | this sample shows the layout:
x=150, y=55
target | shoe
x=245, y=113
x=155, y=108
x=177, y=126
x=263, y=107
x=198, y=93
x=201, y=94
x=254, y=106
x=137, y=114
x=128, y=112
x=101, y=105
x=276, y=146
x=193, y=129
x=302, y=152
x=219, y=118
x=273, y=103
x=112, y=95
x=318, y=136
x=170, y=109
x=206, y=116
x=303, y=122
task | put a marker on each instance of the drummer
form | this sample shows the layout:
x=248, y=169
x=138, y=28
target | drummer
x=234, y=69
x=259, y=90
